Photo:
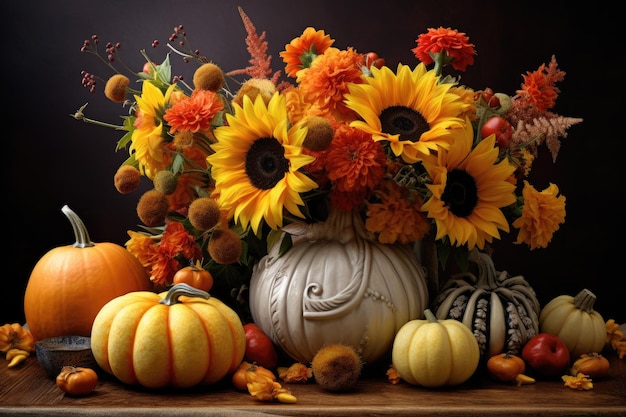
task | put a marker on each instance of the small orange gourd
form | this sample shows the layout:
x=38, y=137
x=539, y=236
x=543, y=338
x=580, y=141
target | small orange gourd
x=69, y=284
x=592, y=364
x=507, y=367
x=194, y=275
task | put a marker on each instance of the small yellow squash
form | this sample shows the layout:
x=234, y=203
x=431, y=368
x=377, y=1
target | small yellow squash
x=434, y=353
x=179, y=338
x=575, y=322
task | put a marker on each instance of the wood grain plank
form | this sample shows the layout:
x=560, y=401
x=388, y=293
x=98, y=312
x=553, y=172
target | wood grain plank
x=28, y=391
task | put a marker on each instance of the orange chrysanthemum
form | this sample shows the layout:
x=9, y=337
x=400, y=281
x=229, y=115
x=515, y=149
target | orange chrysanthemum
x=325, y=82
x=177, y=241
x=194, y=113
x=396, y=217
x=297, y=107
x=162, y=268
x=542, y=215
x=347, y=201
x=301, y=51
x=539, y=88
x=354, y=161
x=454, y=43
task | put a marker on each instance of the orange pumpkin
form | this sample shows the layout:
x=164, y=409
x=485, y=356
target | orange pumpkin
x=70, y=284
x=508, y=367
x=592, y=364
x=194, y=275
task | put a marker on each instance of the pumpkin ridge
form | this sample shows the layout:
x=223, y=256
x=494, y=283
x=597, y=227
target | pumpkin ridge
x=505, y=320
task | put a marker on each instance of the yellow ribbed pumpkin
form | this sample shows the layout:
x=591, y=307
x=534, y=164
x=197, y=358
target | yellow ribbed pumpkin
x=179, y=338
x=69, y=284
x=435, y=353
x=575, y=322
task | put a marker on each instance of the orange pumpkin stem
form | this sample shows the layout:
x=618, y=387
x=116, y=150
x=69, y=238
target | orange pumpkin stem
x=80, y=231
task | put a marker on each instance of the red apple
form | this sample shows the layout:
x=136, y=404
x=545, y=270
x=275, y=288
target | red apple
x=259, y=347
x=499, y=126
x=546, y=355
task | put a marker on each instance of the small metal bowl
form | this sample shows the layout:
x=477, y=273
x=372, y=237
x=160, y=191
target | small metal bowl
x=56, y=352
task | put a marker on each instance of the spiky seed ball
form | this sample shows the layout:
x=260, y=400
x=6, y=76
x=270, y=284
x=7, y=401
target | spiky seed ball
x=253, y=88
x=336, y=367
x=165, y=182
x=225, y=246
x=127, y=179
x=319, y=135
x=152, y=208
x=182, y=139
x=116, y=87
x=204, y=213
x=208, y=77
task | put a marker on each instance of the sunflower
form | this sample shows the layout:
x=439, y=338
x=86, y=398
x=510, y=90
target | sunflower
x=147, y=138
x=256, y=163
x=410, y=109
x=469, y=188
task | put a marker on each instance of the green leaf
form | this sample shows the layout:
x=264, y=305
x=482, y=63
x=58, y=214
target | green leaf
x=178, y=163
x=124, y=141
x=273, y=238
x=285, y=244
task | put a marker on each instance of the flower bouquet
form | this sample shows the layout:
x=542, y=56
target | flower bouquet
x=237, y=155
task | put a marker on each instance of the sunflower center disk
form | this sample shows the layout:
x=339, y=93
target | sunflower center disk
x=461, y=193
x=266, y=164
x=406, y=122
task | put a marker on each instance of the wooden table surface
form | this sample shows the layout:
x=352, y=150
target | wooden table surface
x=28, y=391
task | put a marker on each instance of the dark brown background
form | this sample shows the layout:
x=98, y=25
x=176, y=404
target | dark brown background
x=51, y=160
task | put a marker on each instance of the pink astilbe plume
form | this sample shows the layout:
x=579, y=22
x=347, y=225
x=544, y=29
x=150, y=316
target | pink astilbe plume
x=257, y=47
x=548, y=128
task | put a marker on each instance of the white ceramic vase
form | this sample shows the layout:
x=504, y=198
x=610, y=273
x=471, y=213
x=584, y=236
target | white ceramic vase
x=337, y=285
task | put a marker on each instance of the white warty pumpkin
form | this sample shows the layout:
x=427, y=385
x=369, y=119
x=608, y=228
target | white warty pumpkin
x=501, y=310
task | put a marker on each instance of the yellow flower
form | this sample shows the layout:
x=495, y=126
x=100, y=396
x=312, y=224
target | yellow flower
x=142, y=246
x=615, y=338
x=410, y=109
x=468, y=191
x=147, y=138
x=579, y=382
x=256, y=164
x=542, y=215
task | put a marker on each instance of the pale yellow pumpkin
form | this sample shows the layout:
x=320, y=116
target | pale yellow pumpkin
x=575, y=322
x=178, y=338
x=435, y=353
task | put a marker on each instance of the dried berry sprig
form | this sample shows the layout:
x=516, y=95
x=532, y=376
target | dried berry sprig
x=110, y=59
x=111, y=50
x=185, y=50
